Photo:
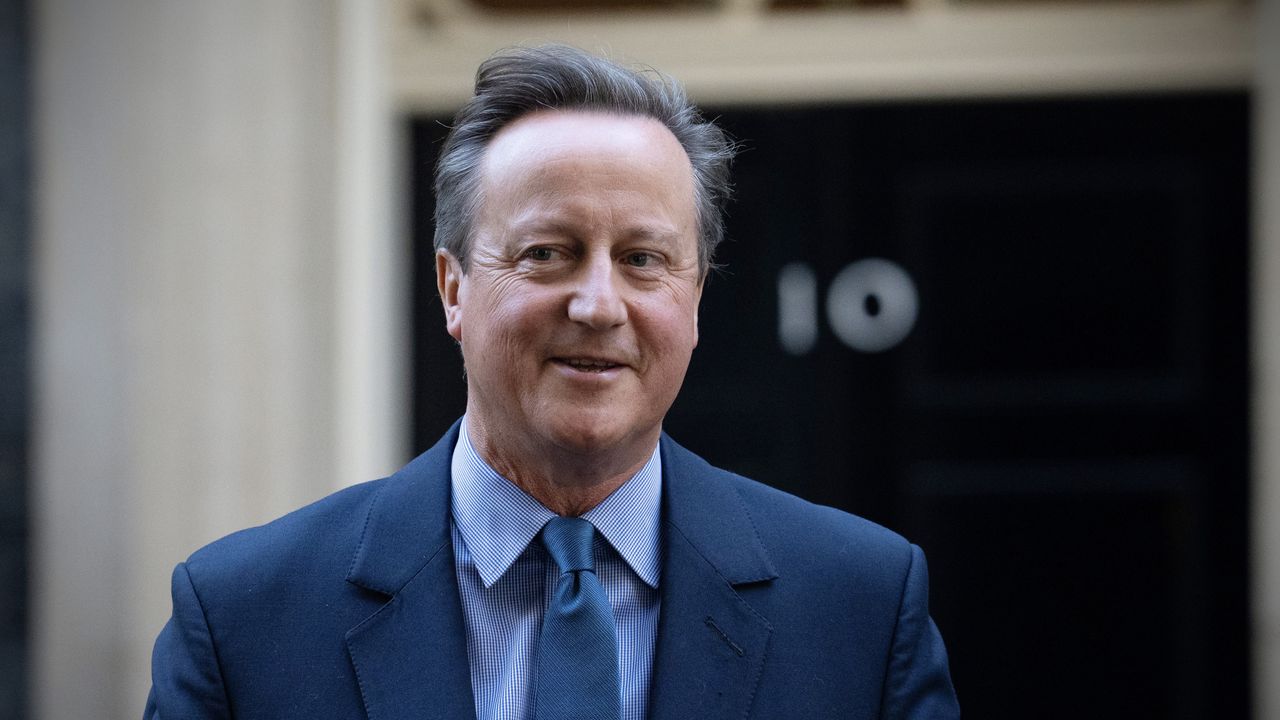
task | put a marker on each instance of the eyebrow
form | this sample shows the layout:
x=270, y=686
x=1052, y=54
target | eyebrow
x=650, y=234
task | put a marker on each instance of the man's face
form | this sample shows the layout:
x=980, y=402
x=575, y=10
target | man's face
x=578, y=313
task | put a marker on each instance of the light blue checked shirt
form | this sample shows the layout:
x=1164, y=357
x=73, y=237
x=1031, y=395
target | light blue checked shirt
x=506, y=580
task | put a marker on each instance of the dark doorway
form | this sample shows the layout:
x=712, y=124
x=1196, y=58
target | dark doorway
x=15, y=334
x=1061, y=424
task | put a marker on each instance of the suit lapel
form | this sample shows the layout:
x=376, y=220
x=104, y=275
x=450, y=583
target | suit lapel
x=410, y=657
x=712, y=644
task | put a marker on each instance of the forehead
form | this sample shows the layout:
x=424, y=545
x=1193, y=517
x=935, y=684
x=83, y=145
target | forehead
x=551, y=139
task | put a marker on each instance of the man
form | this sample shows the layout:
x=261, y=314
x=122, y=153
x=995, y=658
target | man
x=554, y=555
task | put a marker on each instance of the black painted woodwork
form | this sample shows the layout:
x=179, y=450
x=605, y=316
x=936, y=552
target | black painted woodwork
x=15, y=334
x=1064, y=431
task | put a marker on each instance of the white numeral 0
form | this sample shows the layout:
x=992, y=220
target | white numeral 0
x=871, y=306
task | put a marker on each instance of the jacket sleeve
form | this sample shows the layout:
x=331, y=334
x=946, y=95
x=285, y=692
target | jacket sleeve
x=918, y=682
x=186, y=681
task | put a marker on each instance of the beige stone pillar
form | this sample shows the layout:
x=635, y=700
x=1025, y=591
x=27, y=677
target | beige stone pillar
x=201, y=263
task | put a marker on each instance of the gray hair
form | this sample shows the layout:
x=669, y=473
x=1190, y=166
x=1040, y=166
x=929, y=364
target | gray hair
x=519, y=81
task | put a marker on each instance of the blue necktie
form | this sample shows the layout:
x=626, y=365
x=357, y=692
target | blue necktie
x=577, y=666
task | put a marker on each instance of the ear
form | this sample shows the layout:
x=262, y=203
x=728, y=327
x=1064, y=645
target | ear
x=448, y=282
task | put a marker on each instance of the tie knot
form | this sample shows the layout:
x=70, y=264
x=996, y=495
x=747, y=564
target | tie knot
x=568, y=539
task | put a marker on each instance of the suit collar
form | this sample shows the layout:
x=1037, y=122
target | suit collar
x=408, y=524
x=702, y=506
x=410, y=656
x=712, y=643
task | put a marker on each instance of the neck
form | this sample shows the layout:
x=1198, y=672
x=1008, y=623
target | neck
x=566, y=482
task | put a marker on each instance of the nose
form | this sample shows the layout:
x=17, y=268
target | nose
x=597, y=299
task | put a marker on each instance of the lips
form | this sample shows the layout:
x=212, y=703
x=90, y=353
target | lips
x=589, y=365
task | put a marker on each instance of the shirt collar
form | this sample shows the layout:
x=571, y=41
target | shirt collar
x=498, y=520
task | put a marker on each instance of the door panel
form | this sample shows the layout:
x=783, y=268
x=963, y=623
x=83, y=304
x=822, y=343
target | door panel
x=1063, y=428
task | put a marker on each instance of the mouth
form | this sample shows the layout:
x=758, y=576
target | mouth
x=588, y=365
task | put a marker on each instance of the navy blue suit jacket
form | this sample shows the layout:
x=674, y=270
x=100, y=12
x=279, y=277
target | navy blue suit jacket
x=348, y=608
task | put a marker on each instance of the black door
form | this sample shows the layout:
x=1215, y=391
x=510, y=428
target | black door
x=1014, y=331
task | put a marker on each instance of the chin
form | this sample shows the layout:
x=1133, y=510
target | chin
x=585, y=439
x=587, y=435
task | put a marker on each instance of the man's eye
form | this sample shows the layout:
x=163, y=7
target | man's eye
x=639, y=259
x=540, y=254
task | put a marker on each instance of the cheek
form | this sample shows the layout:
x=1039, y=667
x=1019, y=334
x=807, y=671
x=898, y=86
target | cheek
x=514, y=328
x=675, y=314
x=671, y=332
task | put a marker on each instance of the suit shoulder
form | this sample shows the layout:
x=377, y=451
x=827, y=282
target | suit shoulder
x=325, y=531
x=835, y=551
x=783, y=513
x=790, y=523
